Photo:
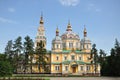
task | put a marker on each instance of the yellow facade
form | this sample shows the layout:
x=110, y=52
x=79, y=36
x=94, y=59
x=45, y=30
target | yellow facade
x=69, y=54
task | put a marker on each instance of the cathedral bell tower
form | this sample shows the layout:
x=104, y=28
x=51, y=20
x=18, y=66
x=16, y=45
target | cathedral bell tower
x=40, y=33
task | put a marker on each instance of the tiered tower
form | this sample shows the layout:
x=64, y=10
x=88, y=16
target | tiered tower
x=41, y=33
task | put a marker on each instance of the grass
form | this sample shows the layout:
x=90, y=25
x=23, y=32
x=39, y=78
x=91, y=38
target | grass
x=23, y=78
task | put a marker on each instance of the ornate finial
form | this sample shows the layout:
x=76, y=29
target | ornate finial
x=85, y=31
x=41, y=14
x=57, y=31
x=41, y=18
x=69, y=22
x=69, y=28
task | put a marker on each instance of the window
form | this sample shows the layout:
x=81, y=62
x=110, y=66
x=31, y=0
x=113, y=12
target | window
x=81, y=68
x=64, y=45
x=57, y=58
x=72, y=57
x=40, y=37
x=88, y=68
x=88, y=58
x=80, y=58
x=87, y=47
x=76, y=44
x=65, y=58
x=39, y=33
x=57, y=46
x=70, y=45
x=66, y=68
x=57, y=68
x=81, y=46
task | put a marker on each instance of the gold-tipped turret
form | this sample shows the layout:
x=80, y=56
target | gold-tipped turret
x=57, y=31
x=41, y=19
x=85, y=31
x=69, y=28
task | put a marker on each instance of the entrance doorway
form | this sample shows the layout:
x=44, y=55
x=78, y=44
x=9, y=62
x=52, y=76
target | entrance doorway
x=74, y=69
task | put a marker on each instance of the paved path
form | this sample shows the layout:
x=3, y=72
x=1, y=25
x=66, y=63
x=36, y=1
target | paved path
x=84, y=78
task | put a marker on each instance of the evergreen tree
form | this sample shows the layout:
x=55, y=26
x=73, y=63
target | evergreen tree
x=94, y=56
x=5, y=66
x=17, y=46
x=102, y=56
x=9, y=51
x=113, y=61
x=117, y=58
x=102, y=61
x=41, y=51
x=28, y=50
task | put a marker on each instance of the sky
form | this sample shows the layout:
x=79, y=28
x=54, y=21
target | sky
x=21, y=18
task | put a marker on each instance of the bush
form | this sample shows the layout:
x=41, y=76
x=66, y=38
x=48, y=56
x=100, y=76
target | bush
x=5, y=68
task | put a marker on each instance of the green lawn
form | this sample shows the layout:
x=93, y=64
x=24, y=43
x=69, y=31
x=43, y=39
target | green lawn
x=23, y=78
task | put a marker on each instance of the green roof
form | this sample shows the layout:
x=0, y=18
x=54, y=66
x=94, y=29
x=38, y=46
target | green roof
x=66, y=62
x=81, y=62
x=78, y=62
x=77, y=51
x=66, y=51
x=55, y=63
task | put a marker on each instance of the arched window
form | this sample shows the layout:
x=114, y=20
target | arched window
x=80, y=58
x=65, y=57
x=72, y=57
x=57, y=46
x=70, y=45
x=87, y=46
x=57, y=58
x=64, y=45
x=76, y=44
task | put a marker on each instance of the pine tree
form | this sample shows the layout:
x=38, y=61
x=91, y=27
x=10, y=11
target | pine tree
x=41, y=51
x=17, y=47
x=114, y=60
x=117, y=58
x=5, y=66
x=102, y=56
x=28, y=50
x=94, y=56
x=9, y=51
x=102, y=61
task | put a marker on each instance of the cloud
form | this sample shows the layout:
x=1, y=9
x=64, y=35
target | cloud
x=69, y=2
x=11, y=10
x=3, y=20
x=92, y=7
x=98, y=10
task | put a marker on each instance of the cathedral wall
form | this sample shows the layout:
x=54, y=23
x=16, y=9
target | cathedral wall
x=75, y=44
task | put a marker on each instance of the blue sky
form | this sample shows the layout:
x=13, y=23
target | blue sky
x=21, y=18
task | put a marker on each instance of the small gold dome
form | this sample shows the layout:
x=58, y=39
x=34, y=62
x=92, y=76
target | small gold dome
x=41, y=20
x=57, y=31
x=69, y=28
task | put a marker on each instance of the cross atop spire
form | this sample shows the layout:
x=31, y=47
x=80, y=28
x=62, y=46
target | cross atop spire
x=69, y=28
x=41, y=18
x=57, y=31
x=85, y=31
